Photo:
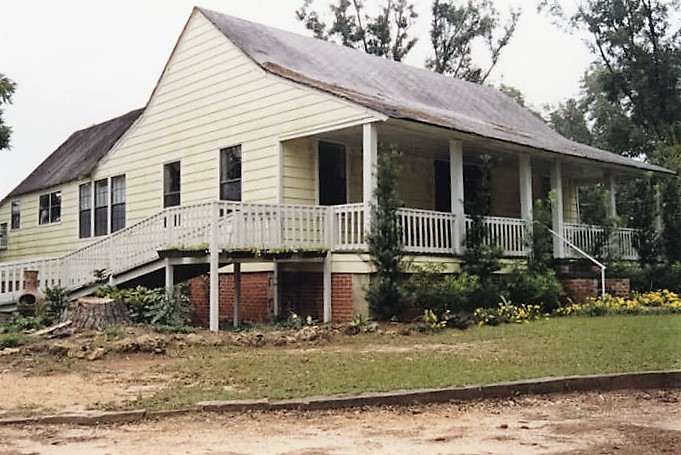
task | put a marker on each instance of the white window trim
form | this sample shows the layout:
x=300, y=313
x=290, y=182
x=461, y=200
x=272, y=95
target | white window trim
x=61, y=209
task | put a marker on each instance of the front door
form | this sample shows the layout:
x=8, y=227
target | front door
x=332, y=174
x=443, y=194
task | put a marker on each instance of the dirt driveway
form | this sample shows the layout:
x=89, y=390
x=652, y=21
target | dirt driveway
x=630, y=423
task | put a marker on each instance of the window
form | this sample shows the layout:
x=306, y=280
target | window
x=171, y=184
x=3, y=236
x=85, y=210
x=230, y=173
x=16, y=215
x=101, y=207
x=50, y=208
x=332, y=174
x=117, y=203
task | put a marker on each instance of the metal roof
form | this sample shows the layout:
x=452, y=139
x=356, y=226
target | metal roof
x=77, y=157
x=402, y=91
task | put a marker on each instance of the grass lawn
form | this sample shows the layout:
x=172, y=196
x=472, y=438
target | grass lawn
x=481, y=355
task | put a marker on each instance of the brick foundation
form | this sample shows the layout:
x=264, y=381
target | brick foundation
x=301, y=292
x=579, y=289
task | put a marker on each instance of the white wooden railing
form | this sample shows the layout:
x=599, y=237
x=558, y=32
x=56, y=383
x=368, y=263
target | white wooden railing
x=592, y=239
x=340, y=228
x=507, y=233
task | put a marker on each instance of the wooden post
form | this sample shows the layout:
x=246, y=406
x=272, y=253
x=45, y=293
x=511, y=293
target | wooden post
x=369, y=158
x=525, y=176
x=237, y=292
x=457, y=194
x=557, y=209
x=214, y=273
x=612, y=194
x=170, y=276
x=327, y=287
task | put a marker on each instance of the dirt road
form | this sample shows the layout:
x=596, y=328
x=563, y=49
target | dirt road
x=630, y=423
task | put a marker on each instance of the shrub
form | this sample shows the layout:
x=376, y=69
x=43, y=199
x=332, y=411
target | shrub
x=56, y=300
x=535, y=287
x=506, y=312
x=658, y=302
x=429, y=290
x=12, y=340
x=165, y=312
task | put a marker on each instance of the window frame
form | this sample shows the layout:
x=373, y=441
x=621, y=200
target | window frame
x=4, y=236
x=167, y=182
x=226, y=181
x=114, y=213
x=15, y=215
x=85, y=228
x=51, y=207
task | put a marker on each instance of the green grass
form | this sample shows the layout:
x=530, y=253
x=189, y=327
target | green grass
x=483, y=355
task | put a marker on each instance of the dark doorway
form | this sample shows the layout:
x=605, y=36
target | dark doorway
x=332, y=174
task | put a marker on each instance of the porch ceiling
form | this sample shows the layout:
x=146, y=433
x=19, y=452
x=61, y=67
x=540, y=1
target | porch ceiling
x=413, y=138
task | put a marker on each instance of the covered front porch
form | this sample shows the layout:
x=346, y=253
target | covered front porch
x=440, y=172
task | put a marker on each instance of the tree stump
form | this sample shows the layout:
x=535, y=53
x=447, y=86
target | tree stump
x=94, y=313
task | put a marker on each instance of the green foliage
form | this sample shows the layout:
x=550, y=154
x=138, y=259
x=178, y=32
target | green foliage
x=535, y=287
x=57, y=301
x=361, y=324
x=658, y=302
x=541, y=256
x=386, y=34
x=671, y=219
x=455, y=30
x=18, y=323
x=507, y=313
x=384, y=240
x=429, y=290
x=295, y=322
x=12, y=340
x=644, y=219
x=7, y=88
x=165, y=312
x=482, y=256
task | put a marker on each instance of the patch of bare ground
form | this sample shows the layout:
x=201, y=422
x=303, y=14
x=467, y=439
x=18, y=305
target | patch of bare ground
x=572, y=424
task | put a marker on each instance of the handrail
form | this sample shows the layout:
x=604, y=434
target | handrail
x=582, y=252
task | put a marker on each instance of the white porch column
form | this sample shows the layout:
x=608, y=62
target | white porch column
x=369, y=158
x=237, y=293
x=170, y=276
x=612, y=192
x=525, y=174
x=214, y=274
x=457, y=196
x=525, y=177
x=327, y=287
x=557, y=209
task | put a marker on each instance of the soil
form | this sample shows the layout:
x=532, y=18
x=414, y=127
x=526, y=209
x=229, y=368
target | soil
x=624, y=423
x=610, y=423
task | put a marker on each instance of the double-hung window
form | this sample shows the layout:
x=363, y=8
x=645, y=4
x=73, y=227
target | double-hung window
x=3, y=236
x=15, y=222
x=49, y=210
x=85, y=210
x=230, y=173
x=171, y=184
x=101, y=207
x=117, y=203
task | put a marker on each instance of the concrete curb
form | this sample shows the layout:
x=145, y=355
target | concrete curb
x=594, y=383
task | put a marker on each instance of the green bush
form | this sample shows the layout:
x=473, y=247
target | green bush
x=56, y=300
x=534, y=287
x=12, y=340
x=165, y=312
x=429, y=290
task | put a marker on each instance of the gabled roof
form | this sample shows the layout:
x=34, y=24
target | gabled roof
x=402, y=91
x=77, y=157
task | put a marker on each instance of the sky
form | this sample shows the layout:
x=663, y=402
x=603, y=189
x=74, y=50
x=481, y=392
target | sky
x=81, y=62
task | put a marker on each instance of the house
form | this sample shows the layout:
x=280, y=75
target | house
x=258, y=138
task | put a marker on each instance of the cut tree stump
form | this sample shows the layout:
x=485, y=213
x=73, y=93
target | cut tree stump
x=94, y=313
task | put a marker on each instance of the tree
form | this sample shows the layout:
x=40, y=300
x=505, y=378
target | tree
x=384, y=241
x=639, y=59
x=455, y=29
x=7, y=88
x=386, y=34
